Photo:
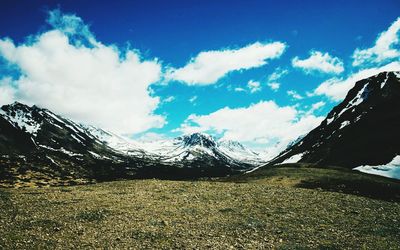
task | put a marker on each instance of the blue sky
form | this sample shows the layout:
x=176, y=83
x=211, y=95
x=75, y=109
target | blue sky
x=319, y=48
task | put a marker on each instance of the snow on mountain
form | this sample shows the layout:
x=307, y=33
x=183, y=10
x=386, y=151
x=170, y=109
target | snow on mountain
x=391, y=169
x=57, y=134
x=239, y=152
x=197, y=145
x=293, y=159
x=363, y=130
x=21, y=117
x=116, y=142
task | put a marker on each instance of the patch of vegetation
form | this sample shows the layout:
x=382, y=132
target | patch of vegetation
x=41, y=224
x=328, y=179
x=93, y=215
x=268, y=209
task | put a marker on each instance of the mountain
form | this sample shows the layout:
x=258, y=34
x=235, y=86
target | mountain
x=202, y=149
x=363, y=130
x=39, y=146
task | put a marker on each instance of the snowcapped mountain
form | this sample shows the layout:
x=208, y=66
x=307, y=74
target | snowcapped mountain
x=198, y=147
x=52, y=147
x=116, y=142
x=239, y=152
x=363, y=130
x=40, y=146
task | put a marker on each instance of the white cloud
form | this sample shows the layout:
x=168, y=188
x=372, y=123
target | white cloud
x=337, y=88
x=383, y=49
x=193, y=99
x=274, y=85
x=294, y=95
x=315, y=107
x=151, y=137
x=274, y=77
x=239, y=89
x=169, y=99
x=264, y=123
x=318, y=61
x=277, y=74
x=254, y=86
x=7, y=92
x=68, y=71
x=209, y=66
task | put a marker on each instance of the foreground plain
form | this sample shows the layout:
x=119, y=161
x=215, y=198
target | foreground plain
x=290, y=207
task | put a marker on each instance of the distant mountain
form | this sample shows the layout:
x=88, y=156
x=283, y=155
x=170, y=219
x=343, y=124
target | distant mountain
x=362, y=130
x=39, y=146
x=203, y=149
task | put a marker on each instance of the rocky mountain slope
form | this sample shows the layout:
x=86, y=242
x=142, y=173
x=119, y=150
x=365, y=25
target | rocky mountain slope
x=361, y=130
x=40, y=146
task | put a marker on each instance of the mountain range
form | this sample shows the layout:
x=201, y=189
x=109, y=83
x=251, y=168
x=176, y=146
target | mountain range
x=38, y=146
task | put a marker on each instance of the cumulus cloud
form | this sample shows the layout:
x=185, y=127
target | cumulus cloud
x=209, y=66
x=265, y=123
x=7, y=92
x=68, y=71
x=384, y=48
x=318, y=61
x=337, y=88
x=254, y=86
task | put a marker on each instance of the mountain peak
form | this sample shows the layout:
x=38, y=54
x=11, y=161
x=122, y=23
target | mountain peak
x=198, y=139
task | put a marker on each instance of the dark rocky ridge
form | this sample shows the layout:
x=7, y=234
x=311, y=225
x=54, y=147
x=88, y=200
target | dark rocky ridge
x=361, y=130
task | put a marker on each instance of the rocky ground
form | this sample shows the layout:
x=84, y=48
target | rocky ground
x=273, y=211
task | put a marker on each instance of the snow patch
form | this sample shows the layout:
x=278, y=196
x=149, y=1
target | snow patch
x=383, y=83
x=344, y=124
x=293, y=159
x=391, y=169
x=99, y=156
x=77, y=139
x=356, y=100
x=53, y=161
x=62, y=150
x=329, y=120
x=54, y=117
x=23, y=121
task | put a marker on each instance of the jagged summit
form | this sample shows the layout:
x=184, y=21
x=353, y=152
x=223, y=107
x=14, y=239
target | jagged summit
x=198, y=139
x=368, y=92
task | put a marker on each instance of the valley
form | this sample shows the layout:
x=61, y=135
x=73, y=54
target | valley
x=71, y=185
x=200, y=124
x=267, y=209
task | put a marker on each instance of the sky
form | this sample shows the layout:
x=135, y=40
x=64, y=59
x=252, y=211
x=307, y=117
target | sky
x=259, y=72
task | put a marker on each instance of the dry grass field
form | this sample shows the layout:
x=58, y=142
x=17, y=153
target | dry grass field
x=285, y=208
